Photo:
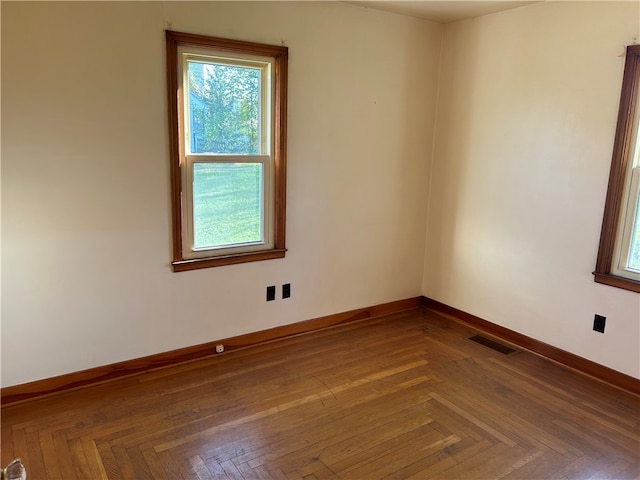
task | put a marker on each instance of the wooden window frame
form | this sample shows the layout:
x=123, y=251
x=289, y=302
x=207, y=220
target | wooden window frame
x=279, y=54
x=620, y=166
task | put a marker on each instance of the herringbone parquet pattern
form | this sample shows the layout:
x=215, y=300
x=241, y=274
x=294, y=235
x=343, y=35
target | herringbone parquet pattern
x=406, y=396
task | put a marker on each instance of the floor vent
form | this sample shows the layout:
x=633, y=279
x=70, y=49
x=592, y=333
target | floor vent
x=487, y=342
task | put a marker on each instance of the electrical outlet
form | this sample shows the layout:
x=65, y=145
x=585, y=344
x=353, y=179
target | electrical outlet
x=219, y=348
x=598, y=323
x=286, y=290
x=271, y=293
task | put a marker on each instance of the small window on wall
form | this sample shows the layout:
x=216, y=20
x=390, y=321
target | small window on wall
x=227, y=113
x=618, y=261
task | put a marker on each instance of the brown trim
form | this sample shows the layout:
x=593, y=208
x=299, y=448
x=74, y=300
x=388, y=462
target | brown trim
x=174, y=146
x=93, y=376
x=615, y=281
x=186, y=265
x=281, y=76
x=570, y=360
x=621, y=157
x=225, y=44
x=280, y=54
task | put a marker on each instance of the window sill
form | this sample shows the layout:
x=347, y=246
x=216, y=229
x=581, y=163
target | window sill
x=619, y=282
x=198, y=263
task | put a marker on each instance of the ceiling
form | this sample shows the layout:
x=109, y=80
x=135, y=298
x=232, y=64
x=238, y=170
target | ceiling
x=443, y=11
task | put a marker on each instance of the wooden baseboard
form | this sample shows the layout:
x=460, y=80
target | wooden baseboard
x=19, y=393
x=48, y=386
x=575, y=362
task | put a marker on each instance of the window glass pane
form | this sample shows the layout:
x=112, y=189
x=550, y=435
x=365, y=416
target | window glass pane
x=227, y=203
x=224, y=108
x=634, y=252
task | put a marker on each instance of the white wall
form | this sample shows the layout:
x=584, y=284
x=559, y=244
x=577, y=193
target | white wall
x=526, y=117
x=525, y=125
x=86, y=279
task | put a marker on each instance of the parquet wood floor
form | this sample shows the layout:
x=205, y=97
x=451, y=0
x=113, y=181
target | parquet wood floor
x=404, y=396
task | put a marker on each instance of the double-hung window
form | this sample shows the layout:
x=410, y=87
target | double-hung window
x=227, y=113
x=618, y=261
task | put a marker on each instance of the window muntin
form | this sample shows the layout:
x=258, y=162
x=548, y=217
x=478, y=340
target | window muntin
x=618, y=262
x=228, y=148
